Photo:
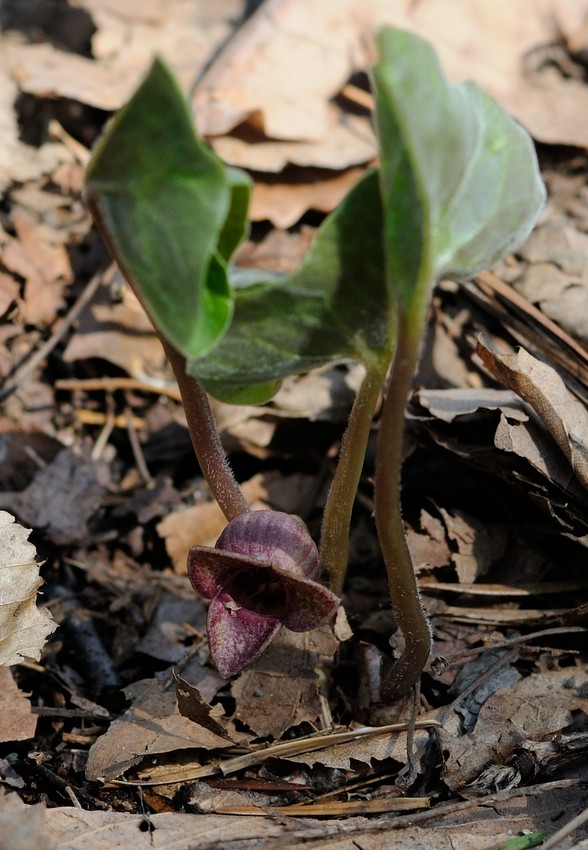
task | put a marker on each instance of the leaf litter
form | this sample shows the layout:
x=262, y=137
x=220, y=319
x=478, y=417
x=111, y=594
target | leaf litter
x=494, y=493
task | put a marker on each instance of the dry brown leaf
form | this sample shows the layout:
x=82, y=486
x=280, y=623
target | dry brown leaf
x=153, y=725
x=274, y=71
x=17, y=722
x=23, y=826
x=275, y=75
x=38, y=257
x=120, y=333
x=9, y=292
x=24, y=628
x=185, y=34
x=191, y=704
x=461, y=401
x=428, y=549
x=202, y=524
x=180, y=615
x=529, y=441
x=62, y=498
x=477, y=544
x=20, y=162
x=469, y=825
x=349, y=141
x=556, y=278
x=283, y=688
x=534, y=708
x=284, y=202
x=388, y=745
x=541, y=387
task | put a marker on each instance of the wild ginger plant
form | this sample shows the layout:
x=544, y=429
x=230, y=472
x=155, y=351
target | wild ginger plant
x=457, y=189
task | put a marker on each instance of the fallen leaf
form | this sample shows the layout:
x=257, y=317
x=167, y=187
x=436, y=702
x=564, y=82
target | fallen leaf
x=477, y=543
x=151, y=726
x=283, y=688
x=539, y=385
x=178, y=616
x=257, y=79
x=17, y=722
x=18, y=161
x=24, y=826
x=37, y=256
x=24, y=628
x=556, y=276
x=9, y=292
x=466, y=824
x=428, y=549
x=62, y=498
x=349, y=141
x=202, y=524
x=191, y=704
x=284, y=200
x=534, y=708
x=364, y=749
x=120, y=333
x=185, y=34
x=530, y=441
x=461, y=401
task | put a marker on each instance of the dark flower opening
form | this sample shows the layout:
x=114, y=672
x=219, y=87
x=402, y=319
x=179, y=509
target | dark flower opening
x=259, y=591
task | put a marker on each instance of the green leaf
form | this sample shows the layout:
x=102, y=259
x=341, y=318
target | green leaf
x=236, y=225
x=163, y=202
x=335, y=306
x=460, y=181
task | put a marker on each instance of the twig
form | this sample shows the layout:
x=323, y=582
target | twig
x=136, y=448
x=299, y=746
x=107, y=429
x=520, y=639
x=113, y=384
x=36, y=359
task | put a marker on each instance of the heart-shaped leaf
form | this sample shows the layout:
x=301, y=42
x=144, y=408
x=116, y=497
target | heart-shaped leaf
x=335, y=306
x=460, y=182
x=164, y=202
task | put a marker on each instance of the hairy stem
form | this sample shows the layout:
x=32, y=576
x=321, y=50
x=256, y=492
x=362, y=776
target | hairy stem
x=205, y=438
x=406, y=602
x=201, y=425
x=334, y=548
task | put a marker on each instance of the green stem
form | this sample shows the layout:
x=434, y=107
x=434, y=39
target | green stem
x=406, y=602
x=334, y=550
x=205, y=438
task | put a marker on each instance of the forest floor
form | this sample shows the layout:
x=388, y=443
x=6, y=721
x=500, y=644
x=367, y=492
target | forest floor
x=122, y=731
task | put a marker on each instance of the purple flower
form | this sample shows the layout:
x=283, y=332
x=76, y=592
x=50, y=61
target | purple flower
x=259, y=576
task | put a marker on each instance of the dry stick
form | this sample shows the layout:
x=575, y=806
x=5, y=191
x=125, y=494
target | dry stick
x=136, y=447
x=284, y=749
x=113, y=384
x=455, y=658
x=23, y=373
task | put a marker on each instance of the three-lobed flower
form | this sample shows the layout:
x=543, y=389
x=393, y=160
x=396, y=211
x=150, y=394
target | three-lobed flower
x=259, y=576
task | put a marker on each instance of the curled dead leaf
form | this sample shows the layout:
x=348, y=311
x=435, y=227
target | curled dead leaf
x=563, y=415
x=24, y=628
